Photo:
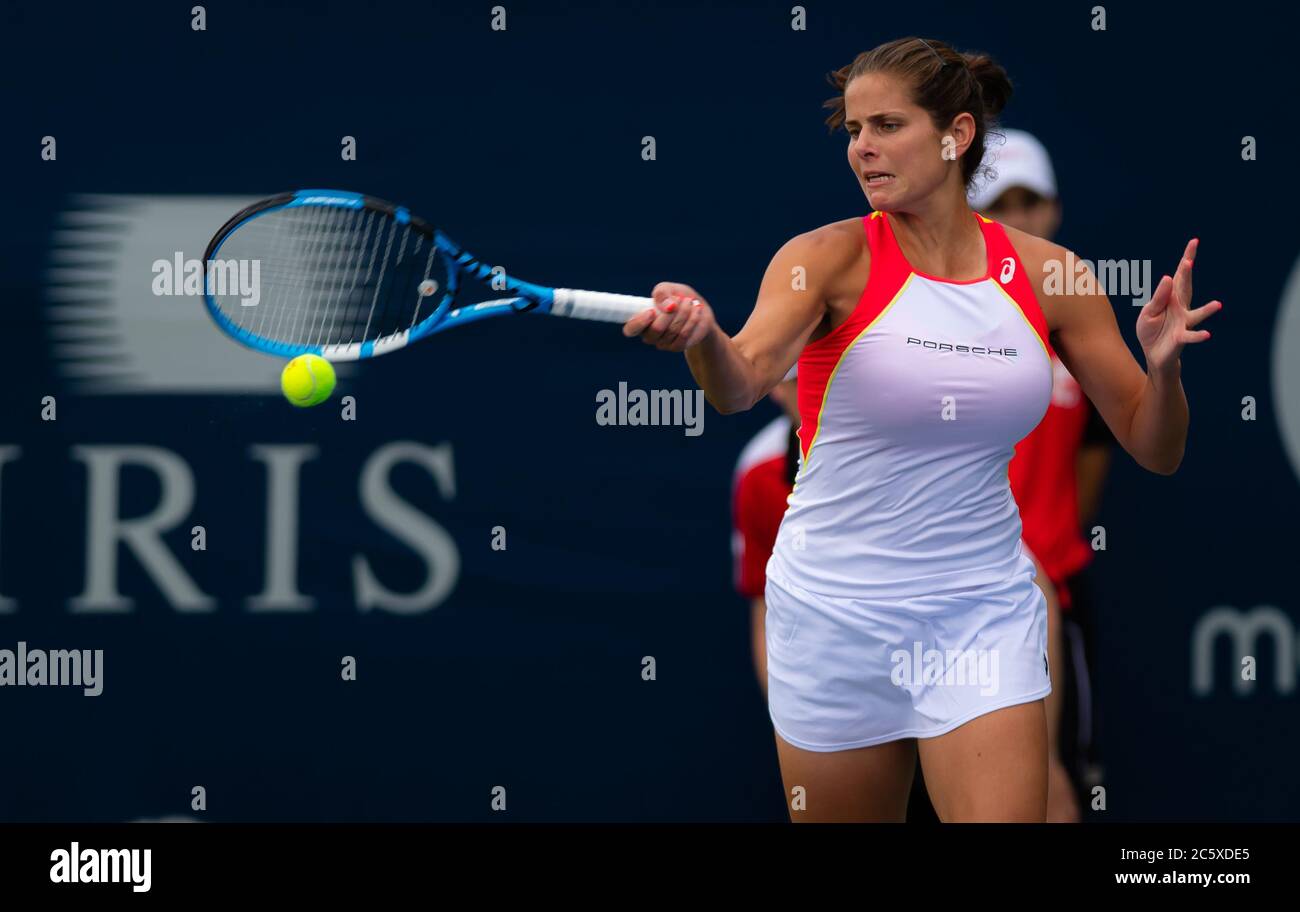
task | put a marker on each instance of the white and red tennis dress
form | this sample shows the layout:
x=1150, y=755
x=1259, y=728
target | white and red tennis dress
x=900, y=600
x=1045, y=483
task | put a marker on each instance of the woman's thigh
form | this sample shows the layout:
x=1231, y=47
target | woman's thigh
x=992, y=768
x=863, y=785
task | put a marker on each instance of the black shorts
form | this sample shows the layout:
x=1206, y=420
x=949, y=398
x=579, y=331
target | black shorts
x=1078, y=740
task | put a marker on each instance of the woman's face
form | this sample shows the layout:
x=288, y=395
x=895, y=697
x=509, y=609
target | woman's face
x=894, y=148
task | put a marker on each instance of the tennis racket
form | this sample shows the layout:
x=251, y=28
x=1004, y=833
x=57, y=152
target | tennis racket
x=347, y=276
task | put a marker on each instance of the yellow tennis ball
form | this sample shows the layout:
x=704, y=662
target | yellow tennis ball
x=307, y=380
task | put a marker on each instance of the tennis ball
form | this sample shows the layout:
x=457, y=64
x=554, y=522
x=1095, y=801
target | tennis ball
x=307, y=380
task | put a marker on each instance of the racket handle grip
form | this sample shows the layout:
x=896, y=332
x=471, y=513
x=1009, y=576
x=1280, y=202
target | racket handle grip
x=598, y=305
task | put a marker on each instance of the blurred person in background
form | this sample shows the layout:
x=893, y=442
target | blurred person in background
x=762, y=482
x=1057, y=476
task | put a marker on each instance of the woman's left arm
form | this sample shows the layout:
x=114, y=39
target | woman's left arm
x=1147, y=412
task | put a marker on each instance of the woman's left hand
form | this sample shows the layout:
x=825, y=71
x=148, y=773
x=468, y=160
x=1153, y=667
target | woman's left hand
x=1166, y=322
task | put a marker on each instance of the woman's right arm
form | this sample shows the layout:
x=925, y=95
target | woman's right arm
x=736, y=372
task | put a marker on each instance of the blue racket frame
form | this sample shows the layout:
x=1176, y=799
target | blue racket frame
x=527, y=297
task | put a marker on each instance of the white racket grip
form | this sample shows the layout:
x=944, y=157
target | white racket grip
x=598, y=305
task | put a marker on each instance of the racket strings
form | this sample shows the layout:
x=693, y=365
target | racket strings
x=366, y=222
x=333, y=276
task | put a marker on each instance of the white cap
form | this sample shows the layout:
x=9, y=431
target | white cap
x=1019, y=162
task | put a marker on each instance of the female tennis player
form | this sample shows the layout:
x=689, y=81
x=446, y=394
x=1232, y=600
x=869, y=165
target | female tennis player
x=902, y=611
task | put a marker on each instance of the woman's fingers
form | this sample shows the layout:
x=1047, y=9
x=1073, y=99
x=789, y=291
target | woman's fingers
x=679, y=310
x=1200, y=314
x=1183, y=275
x=651, y=322
x=1166, y=323
x=637, y=325
x=1160, y=300
x=665, y=290
x=698, y=324
x=690, y=332
x=680, y=318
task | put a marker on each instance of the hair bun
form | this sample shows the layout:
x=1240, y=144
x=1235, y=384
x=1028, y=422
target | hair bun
x=993, y=82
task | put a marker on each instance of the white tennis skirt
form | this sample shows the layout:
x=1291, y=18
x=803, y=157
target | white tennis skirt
x=846, y=673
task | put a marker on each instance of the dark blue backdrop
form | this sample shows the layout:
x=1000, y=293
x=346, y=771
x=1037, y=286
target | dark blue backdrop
x=526, y=145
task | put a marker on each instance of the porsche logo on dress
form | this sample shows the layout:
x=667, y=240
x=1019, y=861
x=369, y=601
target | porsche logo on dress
x=962, y=349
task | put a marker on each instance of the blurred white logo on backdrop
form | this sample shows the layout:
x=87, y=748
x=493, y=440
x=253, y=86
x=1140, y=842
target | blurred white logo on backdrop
x=110, y=333
x=1286, y=368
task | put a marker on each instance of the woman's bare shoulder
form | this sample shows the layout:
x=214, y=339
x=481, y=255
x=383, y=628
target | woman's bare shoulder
x=844, y=237
x=1038, y=256
x=835, y=246
x=1033, y=250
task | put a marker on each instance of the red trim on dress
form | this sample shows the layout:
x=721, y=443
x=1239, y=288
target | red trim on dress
x=888, y=272
x=1020, y=288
